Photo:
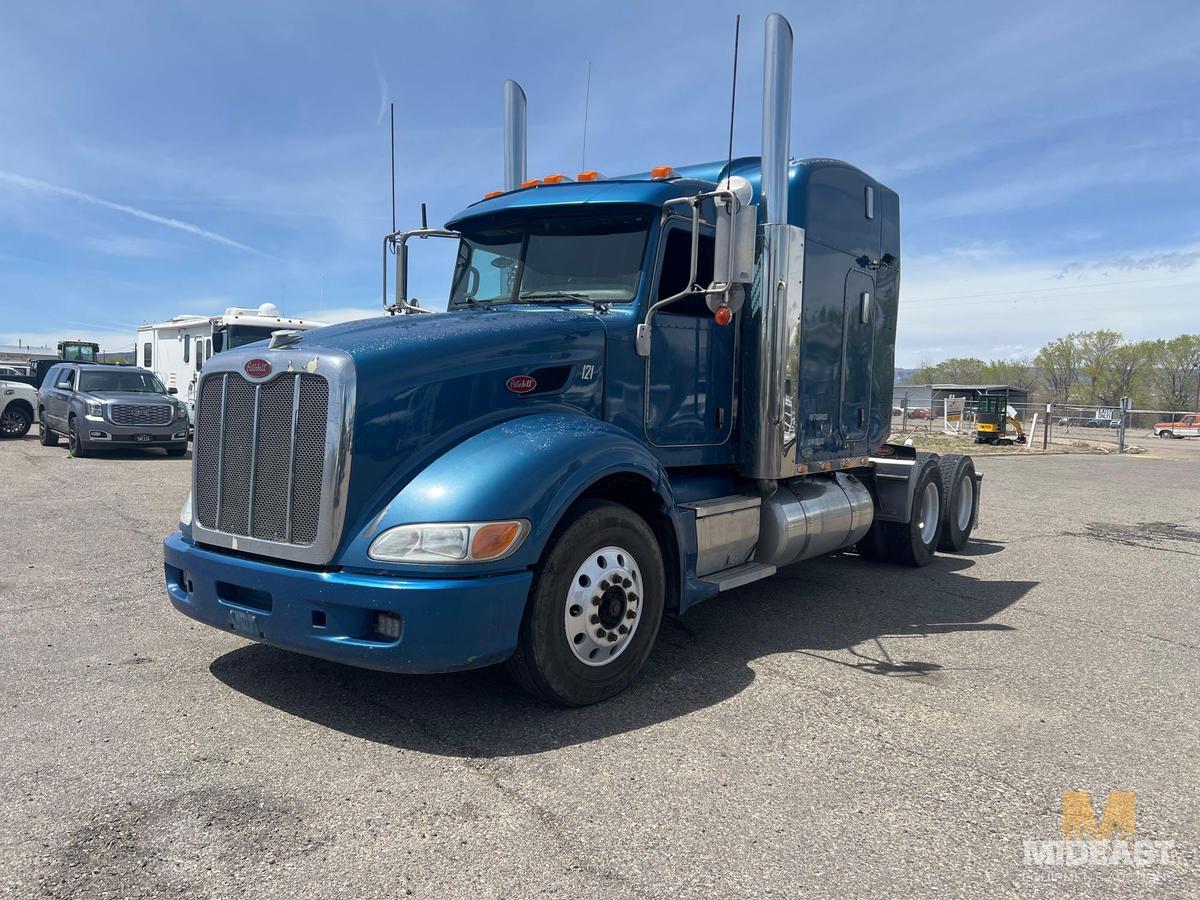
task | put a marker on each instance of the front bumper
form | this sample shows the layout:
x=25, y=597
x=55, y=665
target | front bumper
x=101, y=431
x=447, y=624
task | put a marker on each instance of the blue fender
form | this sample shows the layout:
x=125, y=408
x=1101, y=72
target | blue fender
x=533, y=467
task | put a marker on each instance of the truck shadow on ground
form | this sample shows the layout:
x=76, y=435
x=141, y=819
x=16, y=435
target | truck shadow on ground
x=838, y=611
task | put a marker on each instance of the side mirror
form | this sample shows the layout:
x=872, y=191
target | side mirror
x=733, y=260
x=172, y=390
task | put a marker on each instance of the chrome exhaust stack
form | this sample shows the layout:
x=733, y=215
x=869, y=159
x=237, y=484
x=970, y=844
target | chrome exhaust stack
x=515, y=147
x=774, y=430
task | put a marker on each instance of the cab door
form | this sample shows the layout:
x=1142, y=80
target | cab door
x=858, y=353
x=690, y=376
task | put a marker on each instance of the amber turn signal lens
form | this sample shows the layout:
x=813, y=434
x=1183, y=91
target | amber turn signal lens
x=723, y=315
x=492, y=541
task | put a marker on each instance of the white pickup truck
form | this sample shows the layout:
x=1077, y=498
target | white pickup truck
x=18, y=408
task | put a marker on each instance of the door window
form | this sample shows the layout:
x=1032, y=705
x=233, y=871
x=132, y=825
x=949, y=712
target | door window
x=66, y=380
x=187, y=347
x=146, y=354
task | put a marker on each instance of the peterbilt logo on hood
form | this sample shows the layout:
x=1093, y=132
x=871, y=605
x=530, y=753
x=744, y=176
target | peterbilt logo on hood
x=257, y=368
x=521, y=384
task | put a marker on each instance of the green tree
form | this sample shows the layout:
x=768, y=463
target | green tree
x=1175, y=371
x=1095, y=350
x=1058, y=364
x=1127, y=374
x=1018, y=373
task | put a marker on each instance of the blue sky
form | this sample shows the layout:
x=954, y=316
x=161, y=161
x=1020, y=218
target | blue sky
x=159, y=158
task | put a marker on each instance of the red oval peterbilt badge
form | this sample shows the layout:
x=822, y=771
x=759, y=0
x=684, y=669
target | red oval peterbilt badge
x=257, y=367
x=521, y=384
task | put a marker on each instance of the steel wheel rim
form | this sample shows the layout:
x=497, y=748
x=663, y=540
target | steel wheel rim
x=11, y=422
x=929, y=513
x=966, y=501
x=603, y=606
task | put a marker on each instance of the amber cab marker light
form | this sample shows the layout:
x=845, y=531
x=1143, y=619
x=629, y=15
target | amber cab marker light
x=492, y=541
x=590, y=175
x=659, y=172
x=723, y=315
x=490, y=194
x=556, y=178
x=532, y=182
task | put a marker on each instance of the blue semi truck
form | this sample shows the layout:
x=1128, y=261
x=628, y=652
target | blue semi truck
x=644, y=391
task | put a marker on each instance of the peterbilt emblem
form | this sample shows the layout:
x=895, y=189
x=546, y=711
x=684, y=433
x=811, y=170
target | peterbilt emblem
x=257, y=368
x=521, y=384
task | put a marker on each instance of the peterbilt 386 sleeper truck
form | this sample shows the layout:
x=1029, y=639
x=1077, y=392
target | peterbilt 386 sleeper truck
x=644, y=391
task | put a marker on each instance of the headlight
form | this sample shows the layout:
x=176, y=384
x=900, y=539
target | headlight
x=95, y=409
x=459, y=542
x=185, y=514
x=181, y=411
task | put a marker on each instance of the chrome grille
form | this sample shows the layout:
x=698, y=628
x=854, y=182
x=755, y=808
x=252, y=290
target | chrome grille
x=260, y=456
x=140, y=414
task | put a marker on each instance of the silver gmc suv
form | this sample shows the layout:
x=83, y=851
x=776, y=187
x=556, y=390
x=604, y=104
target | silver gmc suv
x=96, y=406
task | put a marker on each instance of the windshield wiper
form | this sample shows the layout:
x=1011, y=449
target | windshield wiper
x=563, y=295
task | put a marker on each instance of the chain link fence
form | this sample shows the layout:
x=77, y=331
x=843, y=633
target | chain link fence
x=1059, y=423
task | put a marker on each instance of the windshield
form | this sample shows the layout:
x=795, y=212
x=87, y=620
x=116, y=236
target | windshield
x=588, y=258
x=240, y=335
x=124, y=380
x=78, y=352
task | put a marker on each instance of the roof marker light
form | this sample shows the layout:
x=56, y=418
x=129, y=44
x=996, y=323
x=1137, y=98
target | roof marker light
x=660, y=172
x=590, y=175
x=556, y=178
x=532, y=182
x=490, y=194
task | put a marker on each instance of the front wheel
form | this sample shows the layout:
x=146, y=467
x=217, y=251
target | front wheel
x=75, y=444
x=595, y=607
x=176, y=450
x=1166, y=435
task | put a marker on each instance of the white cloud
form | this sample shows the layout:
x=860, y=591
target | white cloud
x=34, y=184
x=995, y=304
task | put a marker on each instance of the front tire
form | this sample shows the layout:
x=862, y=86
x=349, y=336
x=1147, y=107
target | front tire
x=961, y=501
x=594, y=609
x=75, y=445
x=1166, y=435
x=176, y=450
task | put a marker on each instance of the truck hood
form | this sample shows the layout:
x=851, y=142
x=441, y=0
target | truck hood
x=425, y=382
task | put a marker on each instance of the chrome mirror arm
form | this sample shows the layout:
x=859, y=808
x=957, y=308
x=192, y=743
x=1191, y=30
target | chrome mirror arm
x=397, y=243
x=642, y=338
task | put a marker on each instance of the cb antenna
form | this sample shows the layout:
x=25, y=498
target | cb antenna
x=392, y=105
x=737, y=33
x=587, y=96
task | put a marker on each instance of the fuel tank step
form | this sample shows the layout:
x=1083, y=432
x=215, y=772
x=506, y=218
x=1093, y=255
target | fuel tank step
x=728, y=579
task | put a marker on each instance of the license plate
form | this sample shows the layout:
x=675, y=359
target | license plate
x=142, y=438
x=244, y=622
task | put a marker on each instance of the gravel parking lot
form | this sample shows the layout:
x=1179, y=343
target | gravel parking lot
x=844, y=729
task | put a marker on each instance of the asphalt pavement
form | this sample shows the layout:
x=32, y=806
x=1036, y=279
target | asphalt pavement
x=843, y=729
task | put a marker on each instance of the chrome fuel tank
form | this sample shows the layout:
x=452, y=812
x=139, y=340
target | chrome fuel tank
x=809, y=517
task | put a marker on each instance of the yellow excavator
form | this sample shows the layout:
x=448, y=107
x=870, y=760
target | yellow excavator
x=993, y=423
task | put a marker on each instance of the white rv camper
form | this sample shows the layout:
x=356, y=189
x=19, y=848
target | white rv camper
x=176, y=350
